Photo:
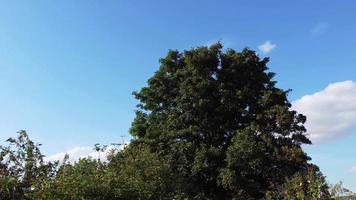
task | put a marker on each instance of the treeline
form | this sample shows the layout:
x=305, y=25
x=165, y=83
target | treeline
x=211, y=125
x=127, y=174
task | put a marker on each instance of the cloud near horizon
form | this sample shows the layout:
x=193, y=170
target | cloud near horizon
x=353, y=170
x=82, y=152
x=266, y=47
x=331, y=112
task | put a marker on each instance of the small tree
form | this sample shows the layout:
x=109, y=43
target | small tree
x=100, y=149
x=136, y=173
x=305, y=185
x=84, y=179
x=23, y=171
x=339, y=192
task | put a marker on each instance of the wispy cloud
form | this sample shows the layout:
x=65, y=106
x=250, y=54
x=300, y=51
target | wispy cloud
x=266, y=47
x=353, y=169
x=319, y=29
x=331, y=113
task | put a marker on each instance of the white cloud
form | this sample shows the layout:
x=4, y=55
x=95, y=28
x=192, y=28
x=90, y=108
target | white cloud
x=319, y=29
x=267, y=47
x=331, y=113
x=82, y=152
x=353, y=169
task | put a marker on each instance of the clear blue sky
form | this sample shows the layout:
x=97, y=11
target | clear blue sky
x=67, y=69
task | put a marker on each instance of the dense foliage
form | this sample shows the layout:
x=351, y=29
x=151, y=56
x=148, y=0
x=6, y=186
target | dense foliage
x=211, y=124
x=218, y=119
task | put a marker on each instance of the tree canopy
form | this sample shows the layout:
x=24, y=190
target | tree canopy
x=220, y=122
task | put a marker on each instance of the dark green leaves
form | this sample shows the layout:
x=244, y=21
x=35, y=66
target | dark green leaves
x=222, y=122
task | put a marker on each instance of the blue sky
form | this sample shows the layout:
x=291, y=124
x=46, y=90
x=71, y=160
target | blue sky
x=67, y=69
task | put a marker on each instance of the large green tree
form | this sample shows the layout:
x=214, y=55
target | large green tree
x=217, y=118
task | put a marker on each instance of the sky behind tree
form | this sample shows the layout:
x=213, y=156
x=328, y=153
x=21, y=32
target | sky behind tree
x=67, y=69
